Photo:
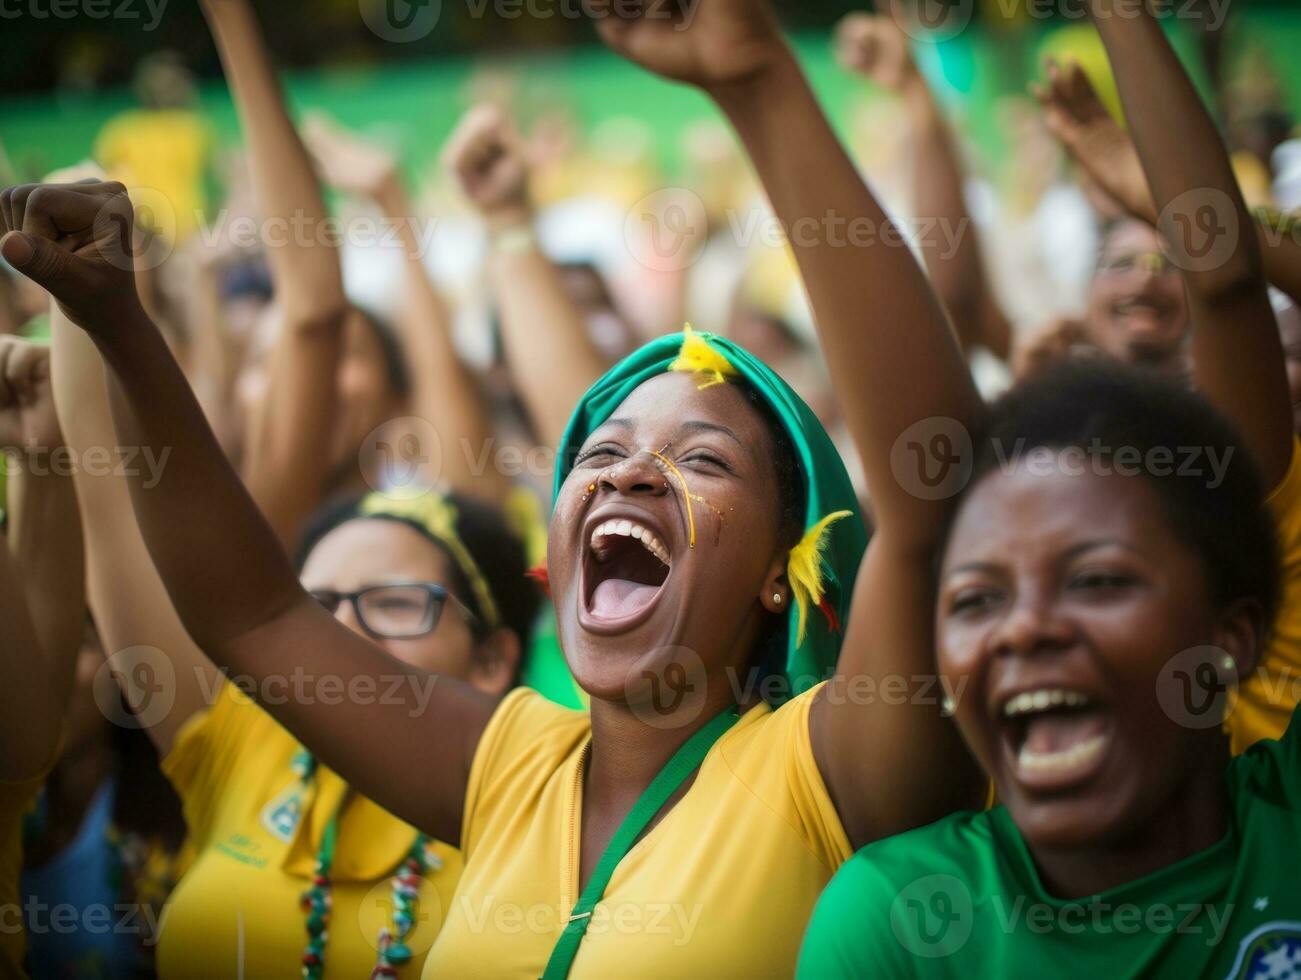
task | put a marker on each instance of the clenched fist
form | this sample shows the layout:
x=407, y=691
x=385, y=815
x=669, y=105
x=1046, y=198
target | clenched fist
x=27, y=418
x=486, y=156
x=75, y=240
x=877, y=48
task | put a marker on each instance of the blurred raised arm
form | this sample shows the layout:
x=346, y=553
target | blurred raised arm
x=1237, y=353
x=445, y=392
x=877, y=48
x=288, y=461
x=551, y=358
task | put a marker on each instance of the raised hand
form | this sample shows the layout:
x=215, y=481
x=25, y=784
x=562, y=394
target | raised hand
x=876, y=48
x=1077, y=117
x=348, y=161
x=76, y=241
x=716, y=44
x=486, y=156
x=27, y=417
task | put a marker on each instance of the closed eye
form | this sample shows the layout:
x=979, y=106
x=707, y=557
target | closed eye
x=701, y=458
x=973, y=601
x=604, y=450
x=1101, y=581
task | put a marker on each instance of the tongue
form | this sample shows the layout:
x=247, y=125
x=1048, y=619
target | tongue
x=618, y=598
x=1058, y=731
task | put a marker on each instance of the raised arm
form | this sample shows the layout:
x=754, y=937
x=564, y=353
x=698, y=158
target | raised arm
x=877, y=48
x=1237, y=354
x=44, y=603
x=552, y=359
x=445, y=392
x=225, y=571
x=1106, y=151
x=895, y=364
x=288, y=460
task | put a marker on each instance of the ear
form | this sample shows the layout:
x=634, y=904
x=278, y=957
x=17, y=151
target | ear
x=775, y=593
x=496, y=662
x=1241, y=632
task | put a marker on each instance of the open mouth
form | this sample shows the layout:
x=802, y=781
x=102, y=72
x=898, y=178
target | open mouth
x=1142, y=312
x=624, y=572
x=1054, y=737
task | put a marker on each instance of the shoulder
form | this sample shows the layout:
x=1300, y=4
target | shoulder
x=866, y=922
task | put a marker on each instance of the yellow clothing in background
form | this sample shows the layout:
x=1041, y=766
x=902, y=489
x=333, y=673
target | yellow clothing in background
x=236, y=911
x=1266, y=701
x=159, y=152
x=724, y=885
x=15, y=800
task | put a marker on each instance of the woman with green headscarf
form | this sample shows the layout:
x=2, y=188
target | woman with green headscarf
x=705, y=555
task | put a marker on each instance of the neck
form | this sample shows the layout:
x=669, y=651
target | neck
x=631, y=744
x=1191, y=820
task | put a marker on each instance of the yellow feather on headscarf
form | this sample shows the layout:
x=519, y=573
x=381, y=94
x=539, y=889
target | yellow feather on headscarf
x=698, y=357
x=804, y=572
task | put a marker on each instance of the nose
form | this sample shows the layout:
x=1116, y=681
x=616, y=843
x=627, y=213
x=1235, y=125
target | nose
x=1032, y=626
x=347, y=615
x=637, y=475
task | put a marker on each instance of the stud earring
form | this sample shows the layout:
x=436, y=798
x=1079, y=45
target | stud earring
x=947, y=707
x=1228, y=664
x=777, y=598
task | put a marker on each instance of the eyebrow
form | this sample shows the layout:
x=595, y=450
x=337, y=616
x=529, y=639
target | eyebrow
x=1073, y=552
x=693, y=425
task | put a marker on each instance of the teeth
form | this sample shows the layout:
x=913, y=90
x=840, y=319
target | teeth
x=1066, y=759
x=628, y=529
x=1042, y=700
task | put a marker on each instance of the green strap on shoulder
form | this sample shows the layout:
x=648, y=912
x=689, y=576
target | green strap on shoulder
x=684, y=762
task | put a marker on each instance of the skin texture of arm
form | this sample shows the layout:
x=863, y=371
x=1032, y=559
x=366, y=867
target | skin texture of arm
x=42, y=577
x=1097, y=143
x=444, y=392
x=894, y=362
x=1237, y=354
x=288, y=461
x=552, y=360
x=228, y=577
x=129, y=601
x=877, y=48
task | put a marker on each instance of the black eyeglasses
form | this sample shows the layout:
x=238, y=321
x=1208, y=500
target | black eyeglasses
x=401, y=611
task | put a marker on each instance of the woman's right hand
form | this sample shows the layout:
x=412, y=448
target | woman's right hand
x=77, y=242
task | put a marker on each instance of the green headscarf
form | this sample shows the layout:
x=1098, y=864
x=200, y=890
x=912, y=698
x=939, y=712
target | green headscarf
x=835, y=537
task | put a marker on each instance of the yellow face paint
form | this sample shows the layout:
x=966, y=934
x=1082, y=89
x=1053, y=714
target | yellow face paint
x=686, y=492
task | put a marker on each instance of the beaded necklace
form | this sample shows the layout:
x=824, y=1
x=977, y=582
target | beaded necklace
x=317, y=901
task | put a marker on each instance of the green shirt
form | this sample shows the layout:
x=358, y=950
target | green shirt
x=962, y=898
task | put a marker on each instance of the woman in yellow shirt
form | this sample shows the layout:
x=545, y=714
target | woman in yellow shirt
x=704, y=557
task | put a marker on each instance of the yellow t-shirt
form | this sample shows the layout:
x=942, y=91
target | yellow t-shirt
x=15, y=800
x=161, y=155
x=236, y=911
x=723, y=886
x=1266, y=701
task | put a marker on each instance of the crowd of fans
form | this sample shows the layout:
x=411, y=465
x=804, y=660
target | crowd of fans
x=388, y=594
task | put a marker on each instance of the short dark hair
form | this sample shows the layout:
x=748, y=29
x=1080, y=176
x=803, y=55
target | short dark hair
x=1087, y=403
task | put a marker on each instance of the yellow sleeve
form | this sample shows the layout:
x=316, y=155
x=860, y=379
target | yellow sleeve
x=206, y=753
x=1266, y=701
x=794, y=790
x=526, y=741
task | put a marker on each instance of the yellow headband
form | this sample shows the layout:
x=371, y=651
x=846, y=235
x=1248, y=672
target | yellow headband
x=436, y=516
